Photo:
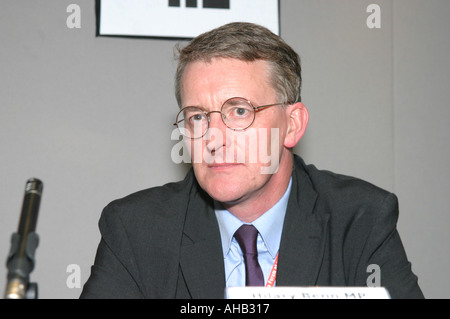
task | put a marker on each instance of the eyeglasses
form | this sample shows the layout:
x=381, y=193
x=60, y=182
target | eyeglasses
x=237, y=114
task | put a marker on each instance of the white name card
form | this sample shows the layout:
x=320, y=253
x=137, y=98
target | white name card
x=182, y=18
x=307, y=293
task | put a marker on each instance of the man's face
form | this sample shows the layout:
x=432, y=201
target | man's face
x=232, y=166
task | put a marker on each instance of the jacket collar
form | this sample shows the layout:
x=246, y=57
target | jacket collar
x=304, y=233
x=201, y=257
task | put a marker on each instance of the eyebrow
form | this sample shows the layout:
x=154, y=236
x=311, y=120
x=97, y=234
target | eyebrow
x=203, y=108
x=196, y=106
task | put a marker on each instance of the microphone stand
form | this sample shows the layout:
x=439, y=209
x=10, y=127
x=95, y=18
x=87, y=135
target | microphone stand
x=20, y=261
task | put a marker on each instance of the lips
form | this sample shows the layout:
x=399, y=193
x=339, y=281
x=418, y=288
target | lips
x=223, y=166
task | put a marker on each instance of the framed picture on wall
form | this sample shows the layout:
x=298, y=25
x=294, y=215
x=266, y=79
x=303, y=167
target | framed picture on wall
x=181, y=18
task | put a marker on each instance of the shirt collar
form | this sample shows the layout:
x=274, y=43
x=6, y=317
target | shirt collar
x=269, y=224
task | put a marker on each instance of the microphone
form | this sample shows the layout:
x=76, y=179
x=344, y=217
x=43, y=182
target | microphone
x=20, y=261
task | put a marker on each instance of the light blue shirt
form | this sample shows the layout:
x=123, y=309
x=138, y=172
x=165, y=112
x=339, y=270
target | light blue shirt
x=269, y=226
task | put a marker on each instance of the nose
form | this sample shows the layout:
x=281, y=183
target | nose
x=216, y=135
x=210, y=119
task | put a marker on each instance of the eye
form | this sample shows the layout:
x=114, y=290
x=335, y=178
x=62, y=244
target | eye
x=196, y=117
x=240, y=112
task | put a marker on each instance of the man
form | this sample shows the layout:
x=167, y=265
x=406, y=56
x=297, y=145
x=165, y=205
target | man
x=237, y=84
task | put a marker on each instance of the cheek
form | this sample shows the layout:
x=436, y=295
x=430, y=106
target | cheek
x=258, y=145
x=198, y=171
x=195, y=149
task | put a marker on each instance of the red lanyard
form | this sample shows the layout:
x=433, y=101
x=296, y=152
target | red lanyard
x=273, y=273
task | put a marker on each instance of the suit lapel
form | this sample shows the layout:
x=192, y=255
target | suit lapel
x=304, y=235
x=201, y=257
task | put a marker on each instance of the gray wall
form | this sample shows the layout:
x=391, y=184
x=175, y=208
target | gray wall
x=92, y=118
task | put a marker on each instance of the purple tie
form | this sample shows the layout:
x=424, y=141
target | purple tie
x=246, y=236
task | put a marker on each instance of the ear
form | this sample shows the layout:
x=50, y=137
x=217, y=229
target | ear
x=298, y=120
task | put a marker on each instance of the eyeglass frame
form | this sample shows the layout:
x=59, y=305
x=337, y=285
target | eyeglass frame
x=207, y=114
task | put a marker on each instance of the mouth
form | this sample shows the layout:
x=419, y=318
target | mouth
x=223, y=166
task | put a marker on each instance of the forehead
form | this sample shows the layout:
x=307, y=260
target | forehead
x=220, y=79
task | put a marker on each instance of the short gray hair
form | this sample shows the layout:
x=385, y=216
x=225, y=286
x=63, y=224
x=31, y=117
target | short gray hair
x=246, y=42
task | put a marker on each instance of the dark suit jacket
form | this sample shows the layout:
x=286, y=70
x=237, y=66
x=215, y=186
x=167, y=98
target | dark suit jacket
x=164, y=242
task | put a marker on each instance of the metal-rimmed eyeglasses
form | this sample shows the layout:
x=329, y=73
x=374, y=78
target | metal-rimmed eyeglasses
x=237, y=113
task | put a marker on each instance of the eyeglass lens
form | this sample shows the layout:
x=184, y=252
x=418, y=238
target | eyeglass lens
x=236, y=113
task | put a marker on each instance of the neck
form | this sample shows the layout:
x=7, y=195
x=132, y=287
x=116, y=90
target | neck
x=252, y=206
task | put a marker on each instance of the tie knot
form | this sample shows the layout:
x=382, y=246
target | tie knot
x=246, y=236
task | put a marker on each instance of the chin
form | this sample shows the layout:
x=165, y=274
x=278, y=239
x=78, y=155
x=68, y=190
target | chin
x=223, y=191
x=227, y=185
